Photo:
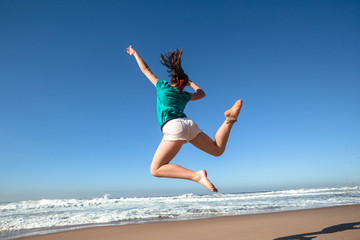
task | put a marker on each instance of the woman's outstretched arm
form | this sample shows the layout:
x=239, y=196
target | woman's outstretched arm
x=143, y=66
x=199, y=93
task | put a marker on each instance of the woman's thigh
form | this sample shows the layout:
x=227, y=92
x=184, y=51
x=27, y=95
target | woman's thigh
x=206, y=144
x=165, y=152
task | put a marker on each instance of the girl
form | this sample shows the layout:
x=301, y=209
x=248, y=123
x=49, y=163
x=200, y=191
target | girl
x=177, y=128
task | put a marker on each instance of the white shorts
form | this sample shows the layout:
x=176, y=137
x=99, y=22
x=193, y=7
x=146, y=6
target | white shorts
x=180, y=129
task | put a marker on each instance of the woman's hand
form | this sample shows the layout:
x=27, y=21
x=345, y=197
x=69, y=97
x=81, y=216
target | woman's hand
x=130, y=51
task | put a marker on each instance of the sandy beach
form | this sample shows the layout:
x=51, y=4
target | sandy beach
x=341, y=222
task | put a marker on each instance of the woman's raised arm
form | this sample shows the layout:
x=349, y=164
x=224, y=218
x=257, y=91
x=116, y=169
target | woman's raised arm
x=142, y=65
x=199, y=93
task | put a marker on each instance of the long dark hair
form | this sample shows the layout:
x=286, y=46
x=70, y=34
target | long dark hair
x=172, y=60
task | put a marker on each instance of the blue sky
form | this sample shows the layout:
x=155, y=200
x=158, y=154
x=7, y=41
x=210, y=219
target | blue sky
x=78, y=118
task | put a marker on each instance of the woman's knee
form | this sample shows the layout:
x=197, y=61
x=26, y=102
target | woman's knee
x=218, y=152
x=154, y=171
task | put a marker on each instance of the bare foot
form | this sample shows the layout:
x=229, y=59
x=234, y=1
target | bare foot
x=233, y=113
x=205, y=181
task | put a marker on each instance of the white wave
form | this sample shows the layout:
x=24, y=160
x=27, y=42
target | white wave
x=45, y=213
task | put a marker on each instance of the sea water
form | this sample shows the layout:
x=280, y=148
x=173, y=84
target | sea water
x=25, y=218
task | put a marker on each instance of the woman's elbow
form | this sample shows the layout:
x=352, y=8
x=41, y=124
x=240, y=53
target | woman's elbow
x=199, y=94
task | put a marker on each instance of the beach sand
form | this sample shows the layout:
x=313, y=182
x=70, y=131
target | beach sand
x=331, y=223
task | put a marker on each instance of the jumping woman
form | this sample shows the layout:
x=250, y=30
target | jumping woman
x=176, y=127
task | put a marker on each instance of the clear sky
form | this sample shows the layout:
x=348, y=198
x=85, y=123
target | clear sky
x=78, y=118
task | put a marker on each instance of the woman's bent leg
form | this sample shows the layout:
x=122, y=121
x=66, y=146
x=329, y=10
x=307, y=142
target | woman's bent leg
x=160, y=166
x=217, y=147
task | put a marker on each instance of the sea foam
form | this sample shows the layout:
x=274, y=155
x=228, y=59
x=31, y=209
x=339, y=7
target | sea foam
x=43, y=216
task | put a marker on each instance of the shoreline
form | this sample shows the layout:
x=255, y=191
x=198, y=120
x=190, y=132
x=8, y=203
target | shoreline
x=339, y=222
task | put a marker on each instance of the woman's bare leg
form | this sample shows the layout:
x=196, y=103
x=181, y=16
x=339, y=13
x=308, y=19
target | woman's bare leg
x=160, y=166
x=217, y=147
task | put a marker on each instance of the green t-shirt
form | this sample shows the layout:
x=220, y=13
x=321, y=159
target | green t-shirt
x=170, y=102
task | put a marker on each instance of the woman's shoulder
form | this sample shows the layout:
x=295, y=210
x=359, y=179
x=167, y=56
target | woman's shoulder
x=162, y=83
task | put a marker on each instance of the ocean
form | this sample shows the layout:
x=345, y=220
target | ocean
x=26, y=218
